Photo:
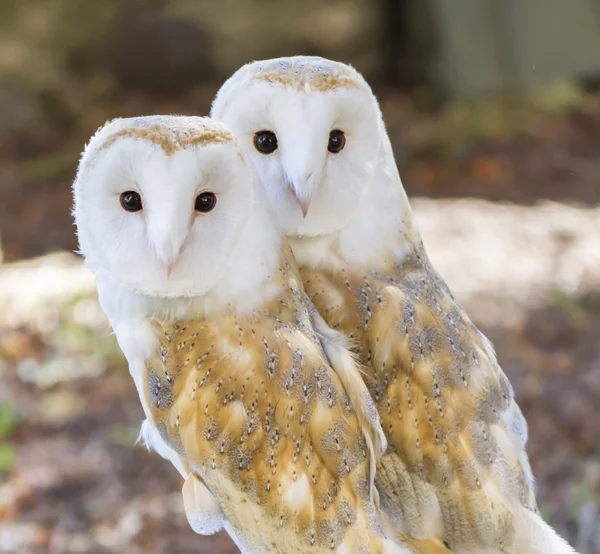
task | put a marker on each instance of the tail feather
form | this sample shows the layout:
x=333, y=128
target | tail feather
x=407, y=545
x=390, y=547
x=534, y=536
x=201, y=509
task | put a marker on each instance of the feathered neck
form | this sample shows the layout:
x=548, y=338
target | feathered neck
x=246, y=282
x=380, y=234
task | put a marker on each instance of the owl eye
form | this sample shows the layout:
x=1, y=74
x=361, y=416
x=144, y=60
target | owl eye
x=205, y=202
x=131, y=201
x=265, y=142
x=337, y=141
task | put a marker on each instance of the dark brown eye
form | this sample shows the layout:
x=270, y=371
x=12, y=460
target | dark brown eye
x=265, y=142
x=131, y=201
x=337, y=141
x=205, y=202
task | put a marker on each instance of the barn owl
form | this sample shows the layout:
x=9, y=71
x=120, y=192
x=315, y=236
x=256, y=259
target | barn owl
x=456, y=467
x=276, y=442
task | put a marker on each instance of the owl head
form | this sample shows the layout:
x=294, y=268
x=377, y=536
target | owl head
x=314, y=131
x=166, y=205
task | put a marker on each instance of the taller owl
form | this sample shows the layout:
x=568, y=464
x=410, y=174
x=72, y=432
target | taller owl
x=456, y=466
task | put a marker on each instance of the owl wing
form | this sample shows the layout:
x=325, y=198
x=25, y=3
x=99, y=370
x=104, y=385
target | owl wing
x=456, y=466
x=259, y=416
x=457, y=435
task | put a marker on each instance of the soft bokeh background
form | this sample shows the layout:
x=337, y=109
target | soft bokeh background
x=494, y=113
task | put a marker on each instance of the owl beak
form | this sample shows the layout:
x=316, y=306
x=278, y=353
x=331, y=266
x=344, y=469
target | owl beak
x=169, y=262
x=168, y=235
x=169, y=267
x=302, y=193
x=303, y=202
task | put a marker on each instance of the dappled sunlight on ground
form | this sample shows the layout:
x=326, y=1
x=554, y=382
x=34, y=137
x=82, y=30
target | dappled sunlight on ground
x=73, y=480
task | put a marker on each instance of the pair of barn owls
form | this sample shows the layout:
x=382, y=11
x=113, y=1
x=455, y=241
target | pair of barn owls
x=328, y=396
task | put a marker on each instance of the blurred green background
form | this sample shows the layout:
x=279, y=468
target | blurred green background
x=494, y=113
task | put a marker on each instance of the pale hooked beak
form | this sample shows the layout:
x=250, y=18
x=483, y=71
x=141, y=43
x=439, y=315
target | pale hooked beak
x=302, y=193
x=170, y=262
x=167, y=235
x=302, y=201
x=169, y=267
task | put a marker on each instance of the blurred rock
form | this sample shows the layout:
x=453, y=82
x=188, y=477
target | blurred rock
x=34, y=291
x=60, y=369
x=22, y=537
x=51, y=326
x=60, y=407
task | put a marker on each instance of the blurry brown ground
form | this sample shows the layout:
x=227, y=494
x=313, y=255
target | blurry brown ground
x=71, y=479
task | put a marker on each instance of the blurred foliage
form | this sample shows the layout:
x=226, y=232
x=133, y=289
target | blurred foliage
x=123, y=435
x=7, y=457
x=572, y=307
x=9, y=417
x=50, y=166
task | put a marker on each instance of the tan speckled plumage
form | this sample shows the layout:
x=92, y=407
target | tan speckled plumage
x=309, y=74
x=170, y=134
x=252, y=406
x=456, y=437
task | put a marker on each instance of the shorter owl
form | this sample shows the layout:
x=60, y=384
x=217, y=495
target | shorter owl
x=276, y=440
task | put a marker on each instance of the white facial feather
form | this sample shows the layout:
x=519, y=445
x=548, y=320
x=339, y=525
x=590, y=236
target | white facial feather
x=168, y=250
x=301, y=100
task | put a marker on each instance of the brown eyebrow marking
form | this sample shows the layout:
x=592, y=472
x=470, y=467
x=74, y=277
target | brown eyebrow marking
x=305, y=73
x=316, y=81
x=171, y=140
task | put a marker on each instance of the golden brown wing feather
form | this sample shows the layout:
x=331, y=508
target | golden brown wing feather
x=252, y=406
x=456, y=463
